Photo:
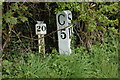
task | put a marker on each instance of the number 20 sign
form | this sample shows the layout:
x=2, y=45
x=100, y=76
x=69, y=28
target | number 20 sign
x=63, y=20
x=40, y=28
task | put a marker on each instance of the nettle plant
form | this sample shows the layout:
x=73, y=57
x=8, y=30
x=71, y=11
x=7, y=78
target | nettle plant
x=16, y=14
x=13, y=14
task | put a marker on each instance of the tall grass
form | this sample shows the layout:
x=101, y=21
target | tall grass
x=100, y=62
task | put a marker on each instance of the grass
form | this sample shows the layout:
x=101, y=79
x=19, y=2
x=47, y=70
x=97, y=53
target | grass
x=100, y=62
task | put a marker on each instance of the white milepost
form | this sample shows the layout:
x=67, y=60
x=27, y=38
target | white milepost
x=64, y=35
x=40, y=29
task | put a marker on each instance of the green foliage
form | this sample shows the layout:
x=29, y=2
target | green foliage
x=92, y=20
x=92, y=14
x=100, y=62
x=16, y=14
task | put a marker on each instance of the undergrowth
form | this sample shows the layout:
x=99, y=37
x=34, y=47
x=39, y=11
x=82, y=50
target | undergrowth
x=100, y=62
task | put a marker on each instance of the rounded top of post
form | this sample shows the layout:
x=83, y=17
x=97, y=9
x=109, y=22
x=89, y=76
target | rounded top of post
x=40, y=22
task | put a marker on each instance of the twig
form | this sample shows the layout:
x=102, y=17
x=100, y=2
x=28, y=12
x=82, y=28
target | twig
x=48, y=34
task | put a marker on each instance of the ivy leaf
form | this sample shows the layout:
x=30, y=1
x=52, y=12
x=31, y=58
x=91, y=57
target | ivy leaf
x=101, y=28
x=91, y=27
x=113, y=29
x=22, y=18
x=15, y=6
x=8, y=14
x=11, y=20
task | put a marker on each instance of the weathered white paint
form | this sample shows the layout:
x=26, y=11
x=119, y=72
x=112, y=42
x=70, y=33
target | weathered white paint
x=64, y=19
x=40, y=29
x=39, y=41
